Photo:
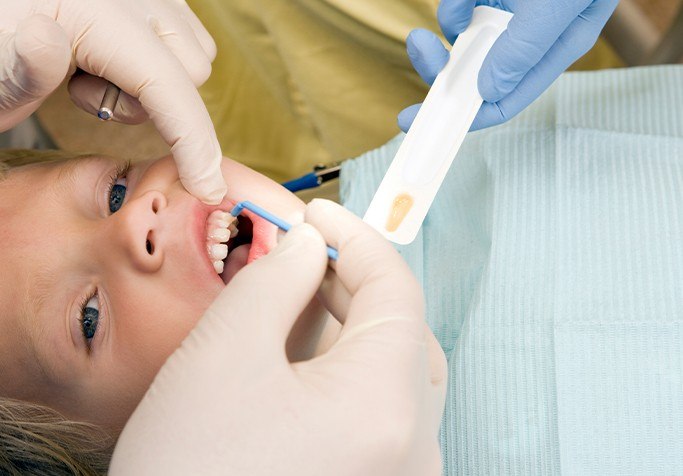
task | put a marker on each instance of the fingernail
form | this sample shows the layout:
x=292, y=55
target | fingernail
x=215, y=194
x=303, y=229
x=298, y=236
x=326, y=207
x=410, y=45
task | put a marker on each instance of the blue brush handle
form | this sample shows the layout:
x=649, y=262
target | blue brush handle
x=279, y=222
x=302, y=183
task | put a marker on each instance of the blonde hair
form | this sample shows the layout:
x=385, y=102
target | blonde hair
x=35, y=439
x=12, y=158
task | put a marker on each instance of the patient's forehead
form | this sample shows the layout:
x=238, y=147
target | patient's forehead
x=27, y=212
x=31, y=167
x=24, y=188
x=34, y=180
x=22, y=173
x=36, y=167
x=54, y=179
x=23, y=161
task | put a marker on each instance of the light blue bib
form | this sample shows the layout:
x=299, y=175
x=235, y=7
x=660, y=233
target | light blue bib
x=552, y=264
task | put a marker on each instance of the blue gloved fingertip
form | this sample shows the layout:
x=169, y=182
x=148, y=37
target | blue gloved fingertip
x=407, y=116
x=490, y=87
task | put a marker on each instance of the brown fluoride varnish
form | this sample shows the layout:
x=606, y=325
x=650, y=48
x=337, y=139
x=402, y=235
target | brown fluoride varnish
x=399, y=209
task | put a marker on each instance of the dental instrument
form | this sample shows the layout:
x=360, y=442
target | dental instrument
x=108, y=104
x=321, y=174
x=415, y=175
x=332, y=253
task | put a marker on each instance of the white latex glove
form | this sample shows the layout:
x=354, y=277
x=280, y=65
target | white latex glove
x=229, y=402
x=156, y=51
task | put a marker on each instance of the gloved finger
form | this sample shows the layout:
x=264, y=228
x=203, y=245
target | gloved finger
x=532, y=31
x=576, y=40
x=407, y=116
x=426, y=53
x=437, y=359
x=86, y=92
x=36, y=59
x=438, y=377
x=334, y=296
x=203, y=36
x=256, y=311
x=428, y=57
x=171, y=101
x=454, y=16
x=337, y=299
x=378, y=279
x=180, y=38
x=382, y=346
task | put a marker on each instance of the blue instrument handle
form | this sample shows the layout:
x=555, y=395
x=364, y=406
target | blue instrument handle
x=302, y=183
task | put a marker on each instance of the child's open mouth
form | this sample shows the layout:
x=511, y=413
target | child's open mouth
x=232, y=243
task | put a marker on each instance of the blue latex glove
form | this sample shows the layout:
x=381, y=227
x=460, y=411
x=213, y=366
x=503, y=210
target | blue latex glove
x=542, y=40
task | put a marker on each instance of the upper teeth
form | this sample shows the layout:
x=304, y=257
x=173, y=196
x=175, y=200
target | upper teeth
x=220, y=227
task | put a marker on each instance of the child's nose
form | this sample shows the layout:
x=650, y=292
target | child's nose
x=139, y=227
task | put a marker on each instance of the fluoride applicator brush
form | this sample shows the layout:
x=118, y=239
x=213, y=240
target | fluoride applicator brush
x=279, y=222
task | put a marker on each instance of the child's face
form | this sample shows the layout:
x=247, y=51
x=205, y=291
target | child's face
x=142, y=273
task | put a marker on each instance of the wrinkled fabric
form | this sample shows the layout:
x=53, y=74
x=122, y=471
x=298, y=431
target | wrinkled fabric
x=552, y=264
x=300, y=82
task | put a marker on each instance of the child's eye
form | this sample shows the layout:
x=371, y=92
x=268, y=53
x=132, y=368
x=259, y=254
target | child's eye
x=117, y=188
x=90, y=315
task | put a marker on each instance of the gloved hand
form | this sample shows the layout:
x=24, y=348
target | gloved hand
x=156, y=51
x=229, y=402
x=542, y=40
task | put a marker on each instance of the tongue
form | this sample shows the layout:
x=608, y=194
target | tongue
x=236, y=260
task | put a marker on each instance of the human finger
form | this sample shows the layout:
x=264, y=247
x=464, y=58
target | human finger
x=181, y=40
x=340, y=295
x=438, y=376
x=338, y=300
x=167, y=94
x=378, y=279
x=384, y=352
x=574, y=42
x=427, y=54
x=86, y=92
x=454, y=17
x=532, y=31
x=35, y=59
x=407, y=116
x=203, y=36
x=334, y=296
